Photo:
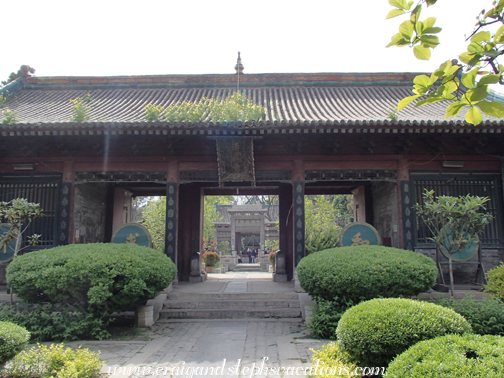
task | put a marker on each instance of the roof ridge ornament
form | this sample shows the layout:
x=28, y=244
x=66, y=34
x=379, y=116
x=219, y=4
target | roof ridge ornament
x=239, y=70
x=239, y=66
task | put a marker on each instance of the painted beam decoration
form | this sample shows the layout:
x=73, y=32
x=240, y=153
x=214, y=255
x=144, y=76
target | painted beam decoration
x=6, y=250
x=359, y=233
x=132, y=233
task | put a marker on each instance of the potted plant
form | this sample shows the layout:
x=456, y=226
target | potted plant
x=210, y=259
x=272, y=259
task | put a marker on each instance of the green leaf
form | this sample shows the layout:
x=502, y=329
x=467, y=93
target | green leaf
x=469, y=79
x=415, y=13
x=466, y=57
x=422, y=53
x=429, y=40
x=433, y=30
x=477, y=94
x=422, y=80
x=406, y=29
x=430, y=2
x=493, y=108
x=481, y=36
x=450, y=87
x=489, y=79
x=428, y=23
x=474, y=116
x=498, y=33
x=398, y=4
x=453, y=109
x=406, y=101
x=398, y=40
x=394, y=13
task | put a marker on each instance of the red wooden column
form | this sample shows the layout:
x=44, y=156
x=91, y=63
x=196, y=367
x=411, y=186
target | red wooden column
x=172, y=209
x=286, y=227
x=190, y=229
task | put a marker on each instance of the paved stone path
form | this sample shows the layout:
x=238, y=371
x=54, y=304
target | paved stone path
x=213, y=348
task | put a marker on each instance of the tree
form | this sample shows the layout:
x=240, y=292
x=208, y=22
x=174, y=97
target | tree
x=24, y=72
x=154, y=219
x=454, y=222
x=18, y=214
x=321, y=231
x=465, y=84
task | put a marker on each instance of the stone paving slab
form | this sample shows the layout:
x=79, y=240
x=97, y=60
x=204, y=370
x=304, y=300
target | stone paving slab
x=187, y=348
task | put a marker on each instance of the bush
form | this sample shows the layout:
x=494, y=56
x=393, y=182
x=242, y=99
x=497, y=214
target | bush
x=375, y=331
x=354, y=274
x=324, y=319
x=485, y=317
x=495, y=284
x=54, y=361
x=272, y=258
x=331, y=361
x=101, y=278
x=451, y=356
x=211, y=258
x=55, y=322
x=13, y=339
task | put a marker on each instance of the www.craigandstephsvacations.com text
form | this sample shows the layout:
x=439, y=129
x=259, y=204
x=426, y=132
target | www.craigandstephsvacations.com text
x=225, y=369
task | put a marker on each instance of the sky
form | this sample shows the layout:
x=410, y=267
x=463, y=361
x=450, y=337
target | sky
x=157, y=37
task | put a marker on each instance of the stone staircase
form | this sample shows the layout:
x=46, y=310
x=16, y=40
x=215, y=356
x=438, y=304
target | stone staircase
x=231, y=306
x=246, y=267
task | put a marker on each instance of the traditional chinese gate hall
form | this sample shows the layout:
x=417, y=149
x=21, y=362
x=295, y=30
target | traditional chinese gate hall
x=328, y=133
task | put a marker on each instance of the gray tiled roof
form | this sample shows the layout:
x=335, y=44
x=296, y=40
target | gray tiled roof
x=288, y=98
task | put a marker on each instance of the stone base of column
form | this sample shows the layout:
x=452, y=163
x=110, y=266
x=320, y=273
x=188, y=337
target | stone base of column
x=144, y=316
x=279, y=277
x=199, y=278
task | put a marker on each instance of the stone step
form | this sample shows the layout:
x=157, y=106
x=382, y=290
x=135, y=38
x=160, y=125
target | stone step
x=256, y=313
x=231, y=304
x=232, y=296
x=248, y=269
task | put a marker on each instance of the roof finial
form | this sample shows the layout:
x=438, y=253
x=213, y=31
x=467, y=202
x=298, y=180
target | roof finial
x=239, y=65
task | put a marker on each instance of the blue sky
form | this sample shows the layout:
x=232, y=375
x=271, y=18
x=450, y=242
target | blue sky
x=108, y=37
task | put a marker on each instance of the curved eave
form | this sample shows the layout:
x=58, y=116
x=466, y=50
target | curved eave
x=246, y=128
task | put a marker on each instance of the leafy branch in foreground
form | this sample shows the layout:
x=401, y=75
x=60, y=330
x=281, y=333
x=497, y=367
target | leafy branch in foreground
x=452, y=81
x=234, y=108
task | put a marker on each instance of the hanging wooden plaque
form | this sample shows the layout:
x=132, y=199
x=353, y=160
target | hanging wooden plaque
x=235, y=156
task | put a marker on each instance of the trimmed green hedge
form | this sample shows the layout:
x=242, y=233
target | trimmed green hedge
x=485, y=317
x=353, y=274
x=13, y=339
x=54, y=361
x=495, y=284
x=375, y=331
x=451, y=356
x=98, y=277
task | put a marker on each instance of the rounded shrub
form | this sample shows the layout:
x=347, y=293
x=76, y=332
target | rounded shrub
x=331, y=361
x=13, y=339
x=211, y=258
x=375, y=331
x=495, y=284
x=354, y=274
x=55, y=361
x=96, y=277
x=451, y=356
